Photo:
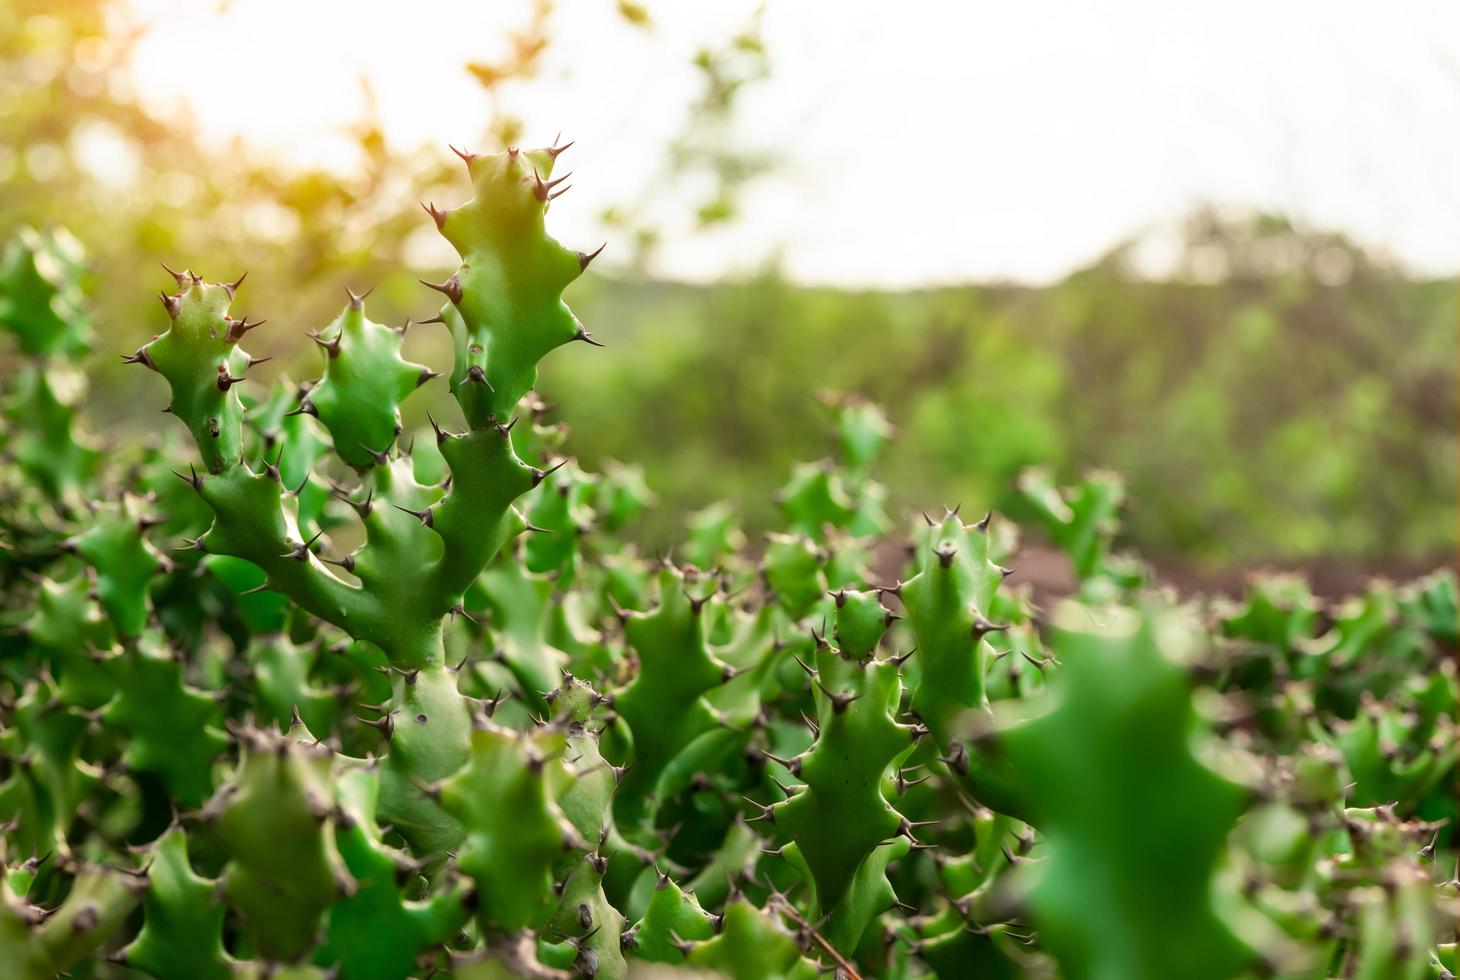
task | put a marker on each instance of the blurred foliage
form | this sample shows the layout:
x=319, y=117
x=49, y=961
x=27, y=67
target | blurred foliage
x=710, y=157
x=141, y=190
x=525, y=49
x=1283, y=396
x=1281, y=413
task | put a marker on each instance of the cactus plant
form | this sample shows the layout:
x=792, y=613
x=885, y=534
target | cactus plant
x=347, y=700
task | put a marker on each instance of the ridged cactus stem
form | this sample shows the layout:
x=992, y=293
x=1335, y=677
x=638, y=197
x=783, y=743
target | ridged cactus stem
x=429, y=728
x=250, y=522
x=506, y=312
x=425, y=545
x=474, y=518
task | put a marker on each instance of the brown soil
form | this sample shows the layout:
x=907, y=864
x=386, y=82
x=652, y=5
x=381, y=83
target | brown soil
x=1047, y=571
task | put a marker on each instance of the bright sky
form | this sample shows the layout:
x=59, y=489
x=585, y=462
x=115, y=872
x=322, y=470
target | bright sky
x=926, y=140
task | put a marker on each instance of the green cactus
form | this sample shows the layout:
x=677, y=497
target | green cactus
x=673, y=917
x=664, y=706
x=506, y=799
x=948, y=603
x=169, y=726
x=182, y=930
x=48, y=782
x=1135, y=820
x=349, y=700
x=375, y=931
x=42, y=307
x=38, y=944
x=446, y=536
x=843, y=829
x=365, y=379
x=751, y=944
x=277, y=822
x=1083, y=522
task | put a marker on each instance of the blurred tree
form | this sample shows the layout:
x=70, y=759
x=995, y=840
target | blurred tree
x=711, y=159
x=1278, y=412
x=525, y=49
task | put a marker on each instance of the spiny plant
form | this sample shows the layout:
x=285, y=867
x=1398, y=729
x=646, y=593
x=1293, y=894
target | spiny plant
x=424, y=544
x=350, y=701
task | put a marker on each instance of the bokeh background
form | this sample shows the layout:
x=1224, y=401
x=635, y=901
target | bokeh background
x=1213, y=248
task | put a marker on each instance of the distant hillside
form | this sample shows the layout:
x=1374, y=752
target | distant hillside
x=1272, y=418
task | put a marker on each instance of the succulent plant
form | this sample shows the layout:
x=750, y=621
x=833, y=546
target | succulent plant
x=350, y=701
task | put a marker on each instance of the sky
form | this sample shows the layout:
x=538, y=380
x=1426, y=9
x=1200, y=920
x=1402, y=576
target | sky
x=919, y=142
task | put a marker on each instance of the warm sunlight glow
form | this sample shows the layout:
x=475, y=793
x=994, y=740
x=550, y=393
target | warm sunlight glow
x=925, y=142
